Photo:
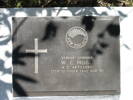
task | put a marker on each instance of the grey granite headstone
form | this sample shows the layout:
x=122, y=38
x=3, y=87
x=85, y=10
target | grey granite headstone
x=66, y=56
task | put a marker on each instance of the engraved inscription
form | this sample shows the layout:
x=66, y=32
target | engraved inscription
x=76, y=64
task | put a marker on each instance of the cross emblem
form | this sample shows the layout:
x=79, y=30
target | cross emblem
x=36, y=51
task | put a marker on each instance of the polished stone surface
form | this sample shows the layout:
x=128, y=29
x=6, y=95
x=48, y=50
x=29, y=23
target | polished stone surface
x=102, y=47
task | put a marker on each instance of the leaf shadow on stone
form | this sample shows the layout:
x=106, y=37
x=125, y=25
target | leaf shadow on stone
x=114, y=30
x=16, y=85
x=88, y=22
x=17, y=27
x=8, y=54
x=100, y=46
x=4, y=70
x=5, y=40
x=18, y=57
x=4, y=84
x=51, y=31
x=3, y=91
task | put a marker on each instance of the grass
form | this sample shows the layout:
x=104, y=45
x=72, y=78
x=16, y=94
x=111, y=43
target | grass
x=63, y=3
x=115, y=2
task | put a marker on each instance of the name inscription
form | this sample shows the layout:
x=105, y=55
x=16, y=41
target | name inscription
x=74, y=64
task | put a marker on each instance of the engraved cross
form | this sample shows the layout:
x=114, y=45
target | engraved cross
x=36, y=51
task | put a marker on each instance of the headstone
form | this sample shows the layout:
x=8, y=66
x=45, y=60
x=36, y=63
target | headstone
x=66, y=56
